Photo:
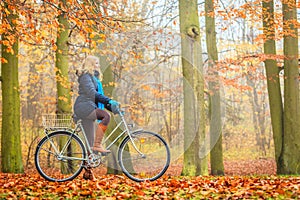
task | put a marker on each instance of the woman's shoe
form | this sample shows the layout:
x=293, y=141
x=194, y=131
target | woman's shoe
x=99, y=148
x=88, y=175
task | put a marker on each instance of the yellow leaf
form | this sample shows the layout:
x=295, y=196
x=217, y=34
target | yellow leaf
x=92, y=35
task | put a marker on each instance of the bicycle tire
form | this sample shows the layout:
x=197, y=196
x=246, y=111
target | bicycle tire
x=53, y=167
x=152, y=165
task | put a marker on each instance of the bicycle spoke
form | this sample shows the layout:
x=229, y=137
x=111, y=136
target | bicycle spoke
x=132, y=159
x=46, y=150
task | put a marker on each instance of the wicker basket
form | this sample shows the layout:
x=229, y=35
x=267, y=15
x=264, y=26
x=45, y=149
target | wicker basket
x=57, y=121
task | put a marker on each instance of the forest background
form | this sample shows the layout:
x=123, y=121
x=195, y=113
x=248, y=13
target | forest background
x=139, y=43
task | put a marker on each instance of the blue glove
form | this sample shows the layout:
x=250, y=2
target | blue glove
x=114, y=106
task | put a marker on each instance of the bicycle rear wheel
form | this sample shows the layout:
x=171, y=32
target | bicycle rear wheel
x=150, y=163
x=59, y=156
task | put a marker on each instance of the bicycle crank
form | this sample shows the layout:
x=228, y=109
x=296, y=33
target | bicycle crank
x=94, y=160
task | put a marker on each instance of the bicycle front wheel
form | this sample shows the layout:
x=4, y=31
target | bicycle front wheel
x=145, y=157
x=59, y=156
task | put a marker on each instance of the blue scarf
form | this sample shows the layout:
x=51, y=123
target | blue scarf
x=100, y=91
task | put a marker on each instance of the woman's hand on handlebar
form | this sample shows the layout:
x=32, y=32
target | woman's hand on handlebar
x=115, y=106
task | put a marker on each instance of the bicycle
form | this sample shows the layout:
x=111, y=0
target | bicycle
x=61, y=155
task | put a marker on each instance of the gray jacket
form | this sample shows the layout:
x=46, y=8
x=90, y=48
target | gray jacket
x=88, y=97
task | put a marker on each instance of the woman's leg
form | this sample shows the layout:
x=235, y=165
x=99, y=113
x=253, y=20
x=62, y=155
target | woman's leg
x=99, y=114
x=89, y=130
x=104, y=116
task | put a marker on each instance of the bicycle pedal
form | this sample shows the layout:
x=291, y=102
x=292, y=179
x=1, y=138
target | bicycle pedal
x=105, y=153
x=96, y=153
x=101, y=153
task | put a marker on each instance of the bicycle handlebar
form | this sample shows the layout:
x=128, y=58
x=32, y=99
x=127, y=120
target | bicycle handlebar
x=121, y=111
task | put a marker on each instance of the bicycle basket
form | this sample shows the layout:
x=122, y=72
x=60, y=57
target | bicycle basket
x=57, y=121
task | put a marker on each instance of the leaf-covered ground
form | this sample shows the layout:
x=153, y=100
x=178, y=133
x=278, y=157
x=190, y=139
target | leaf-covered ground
x=31, y=186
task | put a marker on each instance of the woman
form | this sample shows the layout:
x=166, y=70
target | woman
x=85, y=106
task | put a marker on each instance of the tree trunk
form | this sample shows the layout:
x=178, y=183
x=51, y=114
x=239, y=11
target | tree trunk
x=273, y=82
x=216, y=154
x=30, y=110
x=62, y=68
x=11, y=153
x=112, y=166
x=290, y=157
x=258, y=116
x=195, y=158
x=62, y=72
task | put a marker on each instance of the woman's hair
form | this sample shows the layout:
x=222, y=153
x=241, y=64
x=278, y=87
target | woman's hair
x=87, y=65
x=98, y=74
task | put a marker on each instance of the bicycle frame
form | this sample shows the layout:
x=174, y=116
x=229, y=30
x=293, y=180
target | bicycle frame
x=122, y=122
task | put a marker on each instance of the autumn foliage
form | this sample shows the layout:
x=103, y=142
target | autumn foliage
x=237, y=184
x=32, y=186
